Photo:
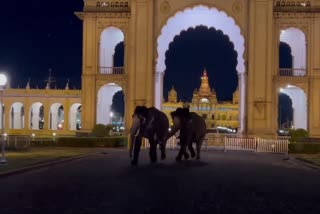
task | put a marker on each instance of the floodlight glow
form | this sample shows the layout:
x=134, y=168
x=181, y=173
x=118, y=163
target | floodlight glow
x=3, y=80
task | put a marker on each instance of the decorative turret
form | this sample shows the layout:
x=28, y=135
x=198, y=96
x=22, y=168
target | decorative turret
x=172, y=96
x=204, y=90
x=28, y=84
x=67, y=85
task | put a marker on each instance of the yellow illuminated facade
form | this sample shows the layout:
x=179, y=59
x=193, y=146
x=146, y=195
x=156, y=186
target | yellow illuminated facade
x=255, y=27
x=204, y=102
x=41, y=112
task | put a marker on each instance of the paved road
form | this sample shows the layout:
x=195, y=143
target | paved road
x=232, y=182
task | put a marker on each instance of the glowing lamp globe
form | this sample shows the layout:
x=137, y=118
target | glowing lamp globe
x=3, y=80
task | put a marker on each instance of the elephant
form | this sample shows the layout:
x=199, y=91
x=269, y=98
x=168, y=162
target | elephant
x=151, y=124
x=192, y=129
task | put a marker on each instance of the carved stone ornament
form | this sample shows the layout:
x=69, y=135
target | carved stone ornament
x=237, y=7
x=165, y=7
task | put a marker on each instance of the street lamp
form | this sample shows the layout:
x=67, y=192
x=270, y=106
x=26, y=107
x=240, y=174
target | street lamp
x=3, y=82
x=111, y=116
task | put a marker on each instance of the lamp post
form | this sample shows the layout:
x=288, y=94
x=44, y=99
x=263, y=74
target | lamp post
x=3, y=82
x=111, y=116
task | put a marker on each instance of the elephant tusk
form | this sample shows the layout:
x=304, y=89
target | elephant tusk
x=134, y=136
x=137, y=133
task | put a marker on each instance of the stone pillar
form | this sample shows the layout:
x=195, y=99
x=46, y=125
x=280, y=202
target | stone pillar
x=7, y=116
x=66, y=109
x=159, y=90
x=242, y=102
x=260, y=109
x=46, y=112
x=2, y=115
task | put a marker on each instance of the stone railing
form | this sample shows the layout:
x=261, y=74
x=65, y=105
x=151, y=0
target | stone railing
x=292, y=72
x=41, y=92
x=111, y=70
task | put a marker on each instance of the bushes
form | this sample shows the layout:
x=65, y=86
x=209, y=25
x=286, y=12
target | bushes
x=107, y=142
x=300, y=142
x=101, y=130
x=297, y=135
x=309, y=148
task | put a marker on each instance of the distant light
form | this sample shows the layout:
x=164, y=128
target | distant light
x=303, y=4
x=3, y=80
x=33, y=135
x=169, y=129
x=5, y=134
x=111, y=114
x=281, y=90
x=54, y=134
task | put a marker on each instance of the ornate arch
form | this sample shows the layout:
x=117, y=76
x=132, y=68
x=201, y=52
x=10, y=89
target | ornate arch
x=228, y=21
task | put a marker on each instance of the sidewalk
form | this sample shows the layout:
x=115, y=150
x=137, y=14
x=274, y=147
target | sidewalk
x=19, y=162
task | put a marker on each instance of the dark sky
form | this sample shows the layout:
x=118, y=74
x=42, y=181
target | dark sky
x=38, y=35
x=196, y=49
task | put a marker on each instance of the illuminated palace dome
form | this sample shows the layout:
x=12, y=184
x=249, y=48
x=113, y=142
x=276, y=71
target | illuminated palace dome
x=205, y=94
x=172, y=95
x=204, y=102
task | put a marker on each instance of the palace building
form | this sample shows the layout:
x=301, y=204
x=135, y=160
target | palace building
x=145, y=29
x=257, y=30
x=40, y=112
x=204, y=102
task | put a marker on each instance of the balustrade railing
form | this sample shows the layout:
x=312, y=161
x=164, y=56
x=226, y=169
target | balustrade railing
x=292, y=72
x=111, y=70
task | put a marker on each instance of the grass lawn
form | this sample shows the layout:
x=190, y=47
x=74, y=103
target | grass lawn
x=315, y=158
x=18, y=160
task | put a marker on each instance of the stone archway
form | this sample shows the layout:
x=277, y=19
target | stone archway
x=296, y=40
x=299, y=103
x=104, y=102
x=193, y=17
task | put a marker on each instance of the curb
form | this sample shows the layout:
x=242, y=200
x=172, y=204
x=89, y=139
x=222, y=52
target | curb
x=307, y=163
x=44, y=164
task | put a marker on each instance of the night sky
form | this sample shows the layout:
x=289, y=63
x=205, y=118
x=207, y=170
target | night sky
x=196, y=49
x=37, y=36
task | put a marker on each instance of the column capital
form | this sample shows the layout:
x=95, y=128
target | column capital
x=242, y=74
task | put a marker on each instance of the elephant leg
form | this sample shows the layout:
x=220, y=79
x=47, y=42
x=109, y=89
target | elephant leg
x=185, y=154
x=187, y=140
x=163, y=150
x=137, y=146
x=192, y=152
x=182, y=151
x=153, y=151
x=199, y=144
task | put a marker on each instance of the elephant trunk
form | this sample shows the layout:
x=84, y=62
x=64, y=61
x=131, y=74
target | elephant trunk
x=172, y=132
